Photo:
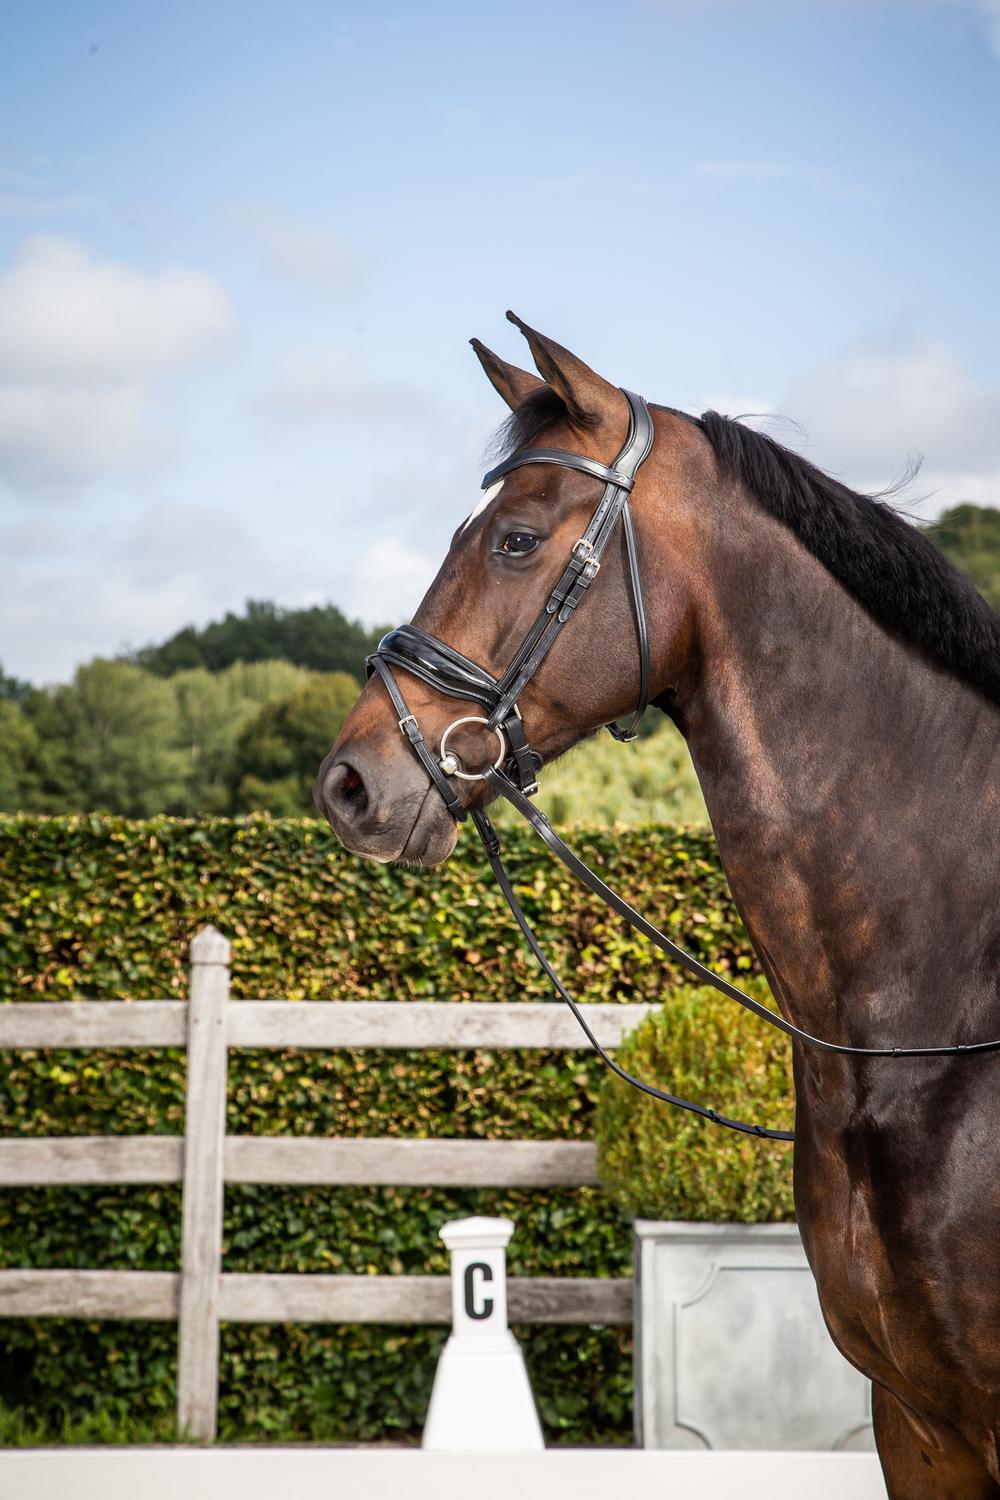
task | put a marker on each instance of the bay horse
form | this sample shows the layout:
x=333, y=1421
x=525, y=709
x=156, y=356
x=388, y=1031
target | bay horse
x=838, y=684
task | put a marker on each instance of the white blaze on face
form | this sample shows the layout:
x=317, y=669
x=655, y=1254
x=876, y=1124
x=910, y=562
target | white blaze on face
x=487, y=496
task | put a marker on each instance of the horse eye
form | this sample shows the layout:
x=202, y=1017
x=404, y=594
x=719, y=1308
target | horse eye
x=519, y=542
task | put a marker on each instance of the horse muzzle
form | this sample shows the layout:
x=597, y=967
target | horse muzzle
x=385, y=812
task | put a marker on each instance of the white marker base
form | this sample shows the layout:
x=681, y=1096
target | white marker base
x=482, y=1400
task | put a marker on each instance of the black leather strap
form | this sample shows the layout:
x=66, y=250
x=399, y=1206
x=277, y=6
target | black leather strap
x=616, y=476
x=624, y=735
x=491, y=844
x=409, y=726
x=593, y=882
x=437, y=664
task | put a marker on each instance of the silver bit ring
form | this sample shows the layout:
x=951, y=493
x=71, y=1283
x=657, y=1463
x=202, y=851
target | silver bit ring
x=450, y=763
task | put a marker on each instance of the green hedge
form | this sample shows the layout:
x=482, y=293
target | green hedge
x=97, y=907
x=103, y=908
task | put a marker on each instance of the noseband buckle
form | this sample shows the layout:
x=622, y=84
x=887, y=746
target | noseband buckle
x=450, y=763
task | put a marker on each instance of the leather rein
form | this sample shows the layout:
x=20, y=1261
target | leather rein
x=514, y=773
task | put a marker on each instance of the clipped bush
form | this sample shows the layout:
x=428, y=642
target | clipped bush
x=662, y=1163
x=103, y=908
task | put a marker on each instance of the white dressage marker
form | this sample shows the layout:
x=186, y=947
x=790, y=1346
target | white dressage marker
x=481, y=1401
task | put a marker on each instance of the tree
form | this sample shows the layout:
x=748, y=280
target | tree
x=13, y=689
x=18, y=759
x=212, y=710
x=970, y=536
x=320, y=639
x=107, y=743
x=280, y=750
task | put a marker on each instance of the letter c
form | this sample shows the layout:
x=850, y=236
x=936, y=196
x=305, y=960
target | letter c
x=486, y=1308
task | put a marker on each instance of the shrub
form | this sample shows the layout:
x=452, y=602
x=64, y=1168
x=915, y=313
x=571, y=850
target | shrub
x=661, y=1163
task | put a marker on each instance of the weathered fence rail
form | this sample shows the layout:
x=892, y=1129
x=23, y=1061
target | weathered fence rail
x=201, y=1296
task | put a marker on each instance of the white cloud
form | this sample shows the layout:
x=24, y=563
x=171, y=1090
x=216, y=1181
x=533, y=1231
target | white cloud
x=83, y=343
x=67, y=317
x=95, y=591
x=867, y=413
x=390, y=580
x=53, y=437
x=323, y=382
x=309, y=255
x=74, y=589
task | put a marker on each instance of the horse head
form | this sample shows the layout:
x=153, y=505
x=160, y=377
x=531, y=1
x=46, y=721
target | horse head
x=522, y=552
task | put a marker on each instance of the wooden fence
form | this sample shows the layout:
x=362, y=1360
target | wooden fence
x=201, y=1295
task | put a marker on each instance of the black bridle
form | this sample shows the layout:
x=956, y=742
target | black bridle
x=514, y=773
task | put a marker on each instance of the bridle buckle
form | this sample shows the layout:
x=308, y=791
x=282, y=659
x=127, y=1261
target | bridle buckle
x=582, y=551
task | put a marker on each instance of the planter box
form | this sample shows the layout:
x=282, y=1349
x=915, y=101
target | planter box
x=731, y=1350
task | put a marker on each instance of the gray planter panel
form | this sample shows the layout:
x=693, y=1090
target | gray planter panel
x=731, y=1347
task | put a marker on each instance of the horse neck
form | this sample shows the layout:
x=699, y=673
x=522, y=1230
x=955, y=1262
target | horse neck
x=853, y=789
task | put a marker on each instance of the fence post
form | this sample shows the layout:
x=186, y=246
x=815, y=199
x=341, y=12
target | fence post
x=201, y=1233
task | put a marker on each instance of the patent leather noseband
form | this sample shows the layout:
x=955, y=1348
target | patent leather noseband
x=514, y=772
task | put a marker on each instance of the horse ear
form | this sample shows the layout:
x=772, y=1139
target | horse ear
x=589, y=398
x=510, y=383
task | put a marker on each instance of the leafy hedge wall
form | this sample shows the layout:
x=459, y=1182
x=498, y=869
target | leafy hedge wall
x=96, y=907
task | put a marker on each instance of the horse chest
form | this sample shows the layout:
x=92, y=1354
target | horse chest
x=907, y=1274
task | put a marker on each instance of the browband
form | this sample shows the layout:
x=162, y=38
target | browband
x=620, y=480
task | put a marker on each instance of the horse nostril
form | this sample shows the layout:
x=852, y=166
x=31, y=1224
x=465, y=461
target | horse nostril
x=353, y=790
x=344, y=795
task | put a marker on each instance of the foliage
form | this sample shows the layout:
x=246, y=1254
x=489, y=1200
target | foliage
x=106, y=742
x=658, y=1163
x=213, y=708
x=120, y=740
x=13, y=689
x=280, y=750
x=970, y=536
x=99, y=907
x=18, y=758
x=321, y=639
x=649, y=781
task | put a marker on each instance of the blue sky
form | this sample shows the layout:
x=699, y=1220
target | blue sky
x=242, y=248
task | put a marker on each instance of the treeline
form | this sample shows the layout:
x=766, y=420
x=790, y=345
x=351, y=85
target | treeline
x=970, y=536
x=118, y=739
x=320, y=639
x=231, y=718
x=236, y=717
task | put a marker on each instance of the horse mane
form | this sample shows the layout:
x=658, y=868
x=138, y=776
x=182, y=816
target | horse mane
x=888, y=564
